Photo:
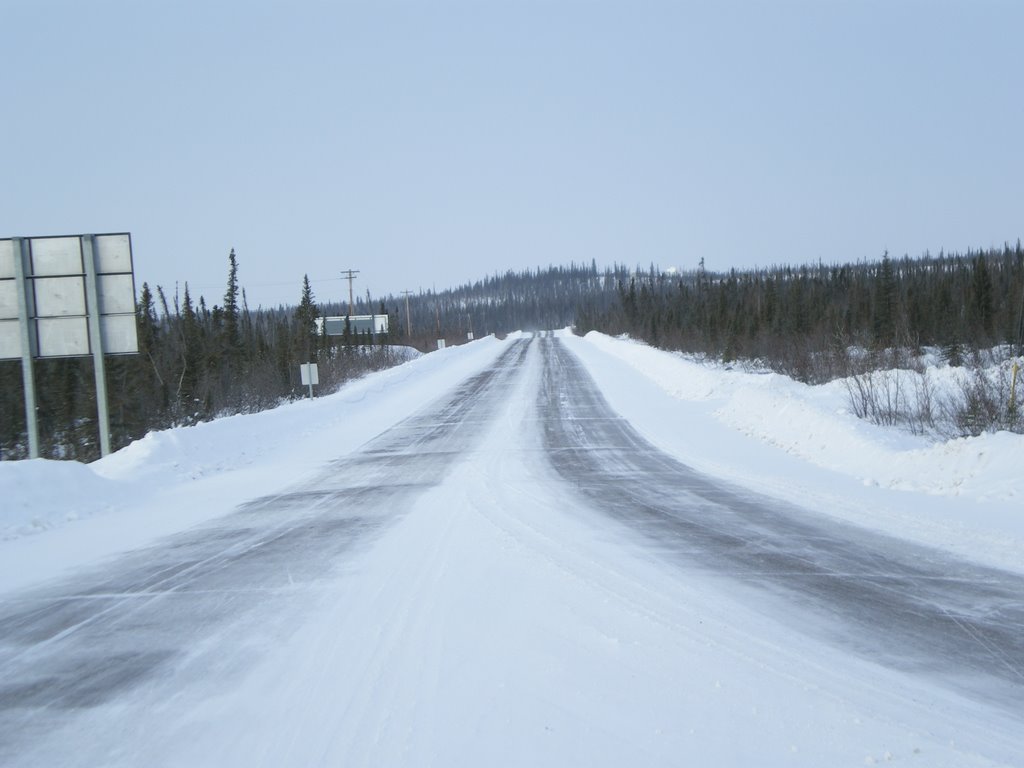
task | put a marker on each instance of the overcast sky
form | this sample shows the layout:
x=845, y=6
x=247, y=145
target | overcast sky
x=431, y=143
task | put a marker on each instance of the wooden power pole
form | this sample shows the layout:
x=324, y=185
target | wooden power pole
x=408, y=322
x=351, y=275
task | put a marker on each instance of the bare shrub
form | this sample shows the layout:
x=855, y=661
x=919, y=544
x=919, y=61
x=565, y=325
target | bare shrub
x=982, y=403
x=922, y=420
x=878, y=396
x=895, y=397
x=892, y=388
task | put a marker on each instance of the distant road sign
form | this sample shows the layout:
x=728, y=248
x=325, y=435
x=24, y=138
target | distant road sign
x=309, y=373
x=357, y=324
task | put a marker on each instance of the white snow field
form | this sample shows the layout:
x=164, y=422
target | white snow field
x=487, y=610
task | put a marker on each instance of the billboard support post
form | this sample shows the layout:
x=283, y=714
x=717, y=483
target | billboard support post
x=27, y=373
x=96, y=341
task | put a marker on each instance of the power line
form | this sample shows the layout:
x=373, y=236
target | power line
x=270, y=285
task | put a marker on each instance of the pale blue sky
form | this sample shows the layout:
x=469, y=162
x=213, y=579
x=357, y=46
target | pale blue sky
x=433, y=143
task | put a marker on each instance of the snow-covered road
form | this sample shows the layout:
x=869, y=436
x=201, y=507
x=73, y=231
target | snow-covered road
x=894, y=602
x=515, y=576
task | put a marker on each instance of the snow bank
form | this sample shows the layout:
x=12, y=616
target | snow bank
x=803, y=443
x=40, y=493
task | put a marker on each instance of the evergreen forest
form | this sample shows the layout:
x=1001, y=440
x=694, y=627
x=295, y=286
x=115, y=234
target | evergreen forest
x=813, y=322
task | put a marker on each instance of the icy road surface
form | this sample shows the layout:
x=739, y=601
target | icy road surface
x=514, y=576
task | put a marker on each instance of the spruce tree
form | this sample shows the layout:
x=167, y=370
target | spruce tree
x=230, y=312
x=147, y=323
x=306, y=315
x=981, y=305
x=191, y=356
x=883, y=305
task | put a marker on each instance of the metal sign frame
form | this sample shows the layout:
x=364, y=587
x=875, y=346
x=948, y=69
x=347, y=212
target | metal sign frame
x=67, y=296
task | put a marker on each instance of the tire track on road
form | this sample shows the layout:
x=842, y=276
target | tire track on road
x=135, y=624
x=910, y=608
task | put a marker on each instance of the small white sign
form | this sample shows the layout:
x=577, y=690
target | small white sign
x=310, y=374
x=440, y=343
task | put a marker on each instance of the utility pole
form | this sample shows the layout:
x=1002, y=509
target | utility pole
x=408, y=322
x=350, y=274
x=373, y=319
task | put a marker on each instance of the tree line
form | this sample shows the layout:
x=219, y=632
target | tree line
x=195, y=362
x=815, y=322
x=805, y=321
x=533, y=299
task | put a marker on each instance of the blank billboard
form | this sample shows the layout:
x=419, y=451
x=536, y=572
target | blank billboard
x=56, y=297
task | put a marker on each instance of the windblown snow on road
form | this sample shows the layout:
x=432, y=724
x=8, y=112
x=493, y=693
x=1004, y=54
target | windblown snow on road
x=429, y=568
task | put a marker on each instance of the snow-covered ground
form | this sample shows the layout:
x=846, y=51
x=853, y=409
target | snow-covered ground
x=766, y=431
x=501, y=622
